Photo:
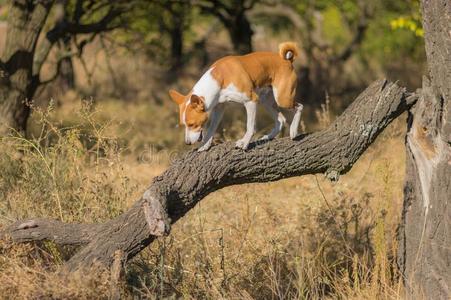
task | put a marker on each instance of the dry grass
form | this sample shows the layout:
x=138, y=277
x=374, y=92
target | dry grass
x=299, y=238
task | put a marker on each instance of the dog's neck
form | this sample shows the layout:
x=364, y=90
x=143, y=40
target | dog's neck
x=208, y=88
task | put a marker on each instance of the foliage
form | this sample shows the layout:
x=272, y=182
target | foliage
x=153, y=27
x=386, y=43
x=339, y=19
x=410, y=20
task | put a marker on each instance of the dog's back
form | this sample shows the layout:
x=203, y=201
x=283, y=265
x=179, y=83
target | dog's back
x=258, y=67
x=249, y=72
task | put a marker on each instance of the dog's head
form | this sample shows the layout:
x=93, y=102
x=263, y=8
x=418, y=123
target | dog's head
x=192, y=115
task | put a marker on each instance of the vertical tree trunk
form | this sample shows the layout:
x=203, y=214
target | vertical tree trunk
x=66, y=77
x=176, y=30
x=176, y=47
x=240, y=33
x=25, y=21
x=425, y=233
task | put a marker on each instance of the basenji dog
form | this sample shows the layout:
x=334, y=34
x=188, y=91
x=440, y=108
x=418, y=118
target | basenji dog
x=265, y=77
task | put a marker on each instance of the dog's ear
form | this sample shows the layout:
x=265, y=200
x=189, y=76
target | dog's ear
x=197, y=103
x=176, y=97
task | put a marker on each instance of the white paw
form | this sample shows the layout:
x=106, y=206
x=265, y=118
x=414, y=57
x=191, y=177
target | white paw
x=242, y=144
x=204, y=147
x=265, y=138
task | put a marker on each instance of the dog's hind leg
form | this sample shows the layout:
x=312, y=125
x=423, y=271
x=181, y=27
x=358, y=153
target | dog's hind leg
x=267, y=99
x=296, y=120
x=284, y=89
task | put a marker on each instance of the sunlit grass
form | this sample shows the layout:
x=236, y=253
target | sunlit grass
x=299, y=238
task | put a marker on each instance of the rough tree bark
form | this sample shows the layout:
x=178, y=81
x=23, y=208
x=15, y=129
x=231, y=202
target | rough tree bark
x=25, y=21
x=332, y=151
x=425, y=232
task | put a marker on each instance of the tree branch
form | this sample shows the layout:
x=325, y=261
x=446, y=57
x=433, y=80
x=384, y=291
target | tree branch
x=56, y=231
x=332, y=151
x=57, y=69
x=51, y=37
x=102, y=25
x=64, y=28
x=79, y=11
x=282, y=10
x=215, y=10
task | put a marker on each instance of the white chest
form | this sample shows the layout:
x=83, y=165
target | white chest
x=208, y=88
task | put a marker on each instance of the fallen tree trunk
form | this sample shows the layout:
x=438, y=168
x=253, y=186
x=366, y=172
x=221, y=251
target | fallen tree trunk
x=332, y=151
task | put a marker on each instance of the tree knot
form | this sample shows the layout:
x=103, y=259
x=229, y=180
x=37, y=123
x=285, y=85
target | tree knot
x=156, y=216
x=332, y=174
x=27, y=225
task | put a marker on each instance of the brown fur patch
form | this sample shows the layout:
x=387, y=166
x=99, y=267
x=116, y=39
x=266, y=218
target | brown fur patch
x=195, y=114
x=255, y=70
x=177, y=97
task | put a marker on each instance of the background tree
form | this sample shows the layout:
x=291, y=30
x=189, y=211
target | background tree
x=171, y=20
x=161, y=28
x=232, y=15
x=424, y=253
x=25, y=53
x=338, y=35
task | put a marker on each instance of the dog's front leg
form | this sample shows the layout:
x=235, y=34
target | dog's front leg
x=215, y=119
x=251, y=112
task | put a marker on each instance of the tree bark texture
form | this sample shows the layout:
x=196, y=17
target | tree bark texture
x=25, y=21
x=425, y=232
x=188, y=180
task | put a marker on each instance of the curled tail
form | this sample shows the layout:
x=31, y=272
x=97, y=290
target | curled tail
x=288, y=50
